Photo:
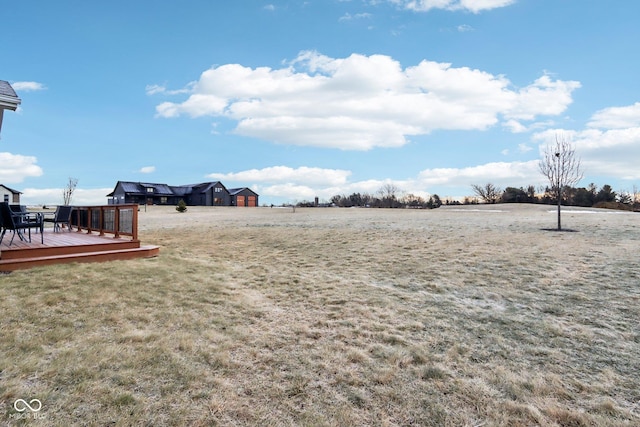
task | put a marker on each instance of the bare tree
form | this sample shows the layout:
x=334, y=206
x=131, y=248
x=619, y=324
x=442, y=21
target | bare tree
x=67, y=193
x=489, y=192
x=389, y=194
x=562, y=168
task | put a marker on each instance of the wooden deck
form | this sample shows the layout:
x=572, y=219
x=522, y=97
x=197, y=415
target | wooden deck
x=68, y=246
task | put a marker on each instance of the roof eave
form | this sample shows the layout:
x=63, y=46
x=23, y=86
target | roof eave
x=9, y=102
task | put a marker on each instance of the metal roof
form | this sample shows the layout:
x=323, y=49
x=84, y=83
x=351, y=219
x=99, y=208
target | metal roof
x=234, y=191
x=180, y=190
x=141, y=188
x=8, y=98
x=205, y=186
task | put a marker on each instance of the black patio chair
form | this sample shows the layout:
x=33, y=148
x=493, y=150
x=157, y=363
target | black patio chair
x=61, y=217
x=19, y=222
x=18, y=208
x=22, y=210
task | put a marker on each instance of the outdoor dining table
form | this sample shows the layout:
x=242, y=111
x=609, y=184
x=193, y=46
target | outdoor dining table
x=31, y=216
x=26, y=220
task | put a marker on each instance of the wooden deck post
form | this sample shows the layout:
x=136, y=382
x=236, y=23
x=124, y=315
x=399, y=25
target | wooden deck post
x=134, y=222
x=78, y=220
x=116, y=224
x=100, y=220
x=89, y=218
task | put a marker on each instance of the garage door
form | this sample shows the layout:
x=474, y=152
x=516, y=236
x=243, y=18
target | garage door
x=240, y=201
x=252, y=201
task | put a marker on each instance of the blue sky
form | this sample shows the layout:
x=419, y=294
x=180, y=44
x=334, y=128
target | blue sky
x=298, y=99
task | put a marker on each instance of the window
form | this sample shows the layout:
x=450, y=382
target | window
x=6, y=198
x=149, y=189
x=218, y=190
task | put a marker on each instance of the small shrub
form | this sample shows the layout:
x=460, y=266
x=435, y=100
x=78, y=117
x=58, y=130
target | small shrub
x=182, y=206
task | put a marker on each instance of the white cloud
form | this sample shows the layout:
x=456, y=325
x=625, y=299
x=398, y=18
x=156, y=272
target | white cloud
x=28, y=86
x=474, y=6
x=350, y=17
x=298, y=184
x=292, y=192
x=154, y=89
x=53, y=196
x=464, y=28
x=543, y=97
x=284, y=174
x=306, y=183
x=147, y=169
x=498, y=173
x=299, y=192
x=15, y=168
x=162, y=89
x=613, y=149
x=524, y=148
x=514, y=126
x=361, y=102
x=617, y=117
x=610, y=153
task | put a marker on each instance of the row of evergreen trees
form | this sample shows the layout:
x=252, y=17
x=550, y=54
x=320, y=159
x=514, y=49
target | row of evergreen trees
x=589, y=196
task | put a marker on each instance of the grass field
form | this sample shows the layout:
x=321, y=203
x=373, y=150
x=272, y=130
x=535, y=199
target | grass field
x=333, y=317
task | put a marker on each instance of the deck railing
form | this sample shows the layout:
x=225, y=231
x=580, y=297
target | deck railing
x=119, y=220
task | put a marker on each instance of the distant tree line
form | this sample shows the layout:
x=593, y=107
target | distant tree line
x=590, y=196
x=388, y=196
x=371, y=201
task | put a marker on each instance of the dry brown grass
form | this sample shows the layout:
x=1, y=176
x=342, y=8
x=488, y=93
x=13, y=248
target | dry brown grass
x=450, y=317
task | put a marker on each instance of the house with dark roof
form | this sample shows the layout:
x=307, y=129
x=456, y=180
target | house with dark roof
x=203, y=194
x=9, y=195
x=8, y=99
